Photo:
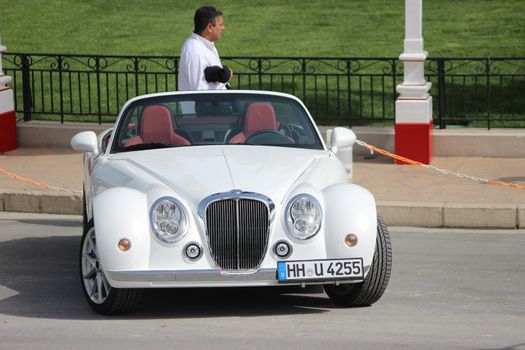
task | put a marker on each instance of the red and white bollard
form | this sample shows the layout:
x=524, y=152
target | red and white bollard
x=413, y=129
x=7, y=111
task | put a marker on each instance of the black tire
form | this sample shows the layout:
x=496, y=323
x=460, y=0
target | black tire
x=106, y=300
x=372, y=288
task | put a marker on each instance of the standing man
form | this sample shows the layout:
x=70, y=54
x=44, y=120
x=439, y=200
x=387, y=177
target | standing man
x=200, y=67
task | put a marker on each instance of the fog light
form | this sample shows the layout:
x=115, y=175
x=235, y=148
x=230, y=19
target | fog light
x=193, y=251
x=282, y=249
x=351, y=240
x=124, y=244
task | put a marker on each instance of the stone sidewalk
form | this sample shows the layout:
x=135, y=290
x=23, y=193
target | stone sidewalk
x=407, y=195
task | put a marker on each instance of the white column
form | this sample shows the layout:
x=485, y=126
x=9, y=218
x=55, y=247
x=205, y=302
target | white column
x=414, y=104
x=413, y=57
x=4, y=79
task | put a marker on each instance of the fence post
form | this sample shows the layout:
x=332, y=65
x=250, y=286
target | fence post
x=487, y=70
x=97, y=73
x=394, y=81
x=136, y=71
x=26, y=88
x=259, y=72
x=442, y=105
x=60, y=76
x=303, y=71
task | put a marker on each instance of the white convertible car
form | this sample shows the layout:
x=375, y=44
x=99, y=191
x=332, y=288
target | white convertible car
x=224, y=189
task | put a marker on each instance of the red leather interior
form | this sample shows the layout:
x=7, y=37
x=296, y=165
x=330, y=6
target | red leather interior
x=259, y=116
x=157, y=127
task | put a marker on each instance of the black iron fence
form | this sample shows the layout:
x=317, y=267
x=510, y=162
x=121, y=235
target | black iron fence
x=346, y=91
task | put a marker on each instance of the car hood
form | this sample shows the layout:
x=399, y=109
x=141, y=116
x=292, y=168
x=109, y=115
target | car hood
x=197, y=172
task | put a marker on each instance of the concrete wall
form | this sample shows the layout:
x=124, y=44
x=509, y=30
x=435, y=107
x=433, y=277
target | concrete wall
x=467, y=142
x=52, y=134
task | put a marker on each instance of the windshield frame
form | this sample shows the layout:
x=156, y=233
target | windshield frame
x=253, y=96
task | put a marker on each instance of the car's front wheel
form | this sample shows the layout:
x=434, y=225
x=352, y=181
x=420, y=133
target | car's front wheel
x=102, y=298
x=372, y=288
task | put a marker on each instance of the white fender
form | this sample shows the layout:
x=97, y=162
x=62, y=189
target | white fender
x=350, y=209
x=122, y=213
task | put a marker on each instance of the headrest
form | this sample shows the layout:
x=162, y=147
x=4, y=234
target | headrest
x=156, y=125
x=259, y=116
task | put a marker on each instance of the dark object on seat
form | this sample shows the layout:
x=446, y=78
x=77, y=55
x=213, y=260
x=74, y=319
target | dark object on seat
x=157, y=127
x=215, y=74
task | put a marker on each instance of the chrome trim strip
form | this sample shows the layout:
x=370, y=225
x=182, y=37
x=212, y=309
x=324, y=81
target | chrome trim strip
x=189, y=276
x=141, y=276
x=235, y=194
x=238, y=229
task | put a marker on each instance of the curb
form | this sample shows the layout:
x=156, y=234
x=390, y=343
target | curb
x=452, y=215
x=40, y=202
x=411, y=214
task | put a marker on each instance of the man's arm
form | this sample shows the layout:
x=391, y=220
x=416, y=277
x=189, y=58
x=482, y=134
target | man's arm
x=194, y=68
x=217, y=74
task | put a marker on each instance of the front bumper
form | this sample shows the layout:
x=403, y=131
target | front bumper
x=199, y=278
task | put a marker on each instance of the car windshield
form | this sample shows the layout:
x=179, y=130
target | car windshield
x=214, y=119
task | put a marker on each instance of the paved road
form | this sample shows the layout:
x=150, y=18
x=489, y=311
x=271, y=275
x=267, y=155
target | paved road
x=449, y=290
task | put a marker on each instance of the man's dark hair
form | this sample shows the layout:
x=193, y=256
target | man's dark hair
x=205, y=15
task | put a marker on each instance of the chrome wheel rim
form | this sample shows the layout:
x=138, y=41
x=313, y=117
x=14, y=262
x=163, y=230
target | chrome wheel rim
x=95, y=283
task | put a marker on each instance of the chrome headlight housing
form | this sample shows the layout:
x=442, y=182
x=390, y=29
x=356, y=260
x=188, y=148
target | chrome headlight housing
x=169, y=219
x=303, y=216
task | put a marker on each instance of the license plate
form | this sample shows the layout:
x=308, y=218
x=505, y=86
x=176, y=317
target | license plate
x=315, y=270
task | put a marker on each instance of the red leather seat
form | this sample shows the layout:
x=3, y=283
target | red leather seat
x=157, y=127
x=259, y=116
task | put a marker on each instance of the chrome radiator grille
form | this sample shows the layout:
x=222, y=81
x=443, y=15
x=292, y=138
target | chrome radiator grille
x=237, y=230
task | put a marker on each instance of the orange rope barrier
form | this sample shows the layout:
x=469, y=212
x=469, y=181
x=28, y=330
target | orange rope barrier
x=505, y=184
x=446, y=172
x=23, y=179
x=389, y=154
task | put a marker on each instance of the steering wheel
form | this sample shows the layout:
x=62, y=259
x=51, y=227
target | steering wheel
x=286, y=129
x=268, y=137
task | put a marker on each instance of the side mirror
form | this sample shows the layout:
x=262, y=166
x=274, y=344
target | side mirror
x=85, y=141
x=342, y=137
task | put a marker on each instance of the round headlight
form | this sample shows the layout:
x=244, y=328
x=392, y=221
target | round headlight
x=303, y=216
x=168, y=219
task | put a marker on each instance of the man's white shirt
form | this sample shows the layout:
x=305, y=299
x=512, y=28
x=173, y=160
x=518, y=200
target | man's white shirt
x=197, y=53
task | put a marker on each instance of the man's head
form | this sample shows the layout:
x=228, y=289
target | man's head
x=209, y=23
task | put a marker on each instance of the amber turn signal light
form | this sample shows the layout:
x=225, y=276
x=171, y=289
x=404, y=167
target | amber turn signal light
x=351, y=240
x=124, y=244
